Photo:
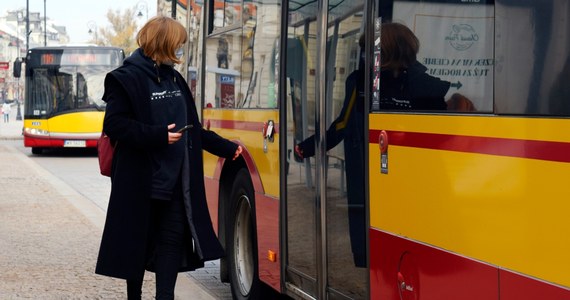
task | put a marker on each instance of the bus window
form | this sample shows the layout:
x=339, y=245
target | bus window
x=194, y=44
x=301, y=54
x=224, y=13
x=444, y=59
x=533, y=57
x=67, y=88
x=222, y=67
x=242, y=60
x=40, y=90
x=259, y=48
x=82, y=91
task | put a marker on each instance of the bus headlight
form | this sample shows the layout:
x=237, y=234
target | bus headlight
x=36, y=131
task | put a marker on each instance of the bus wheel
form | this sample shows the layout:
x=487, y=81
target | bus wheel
x=37, y=150
x=241, y=243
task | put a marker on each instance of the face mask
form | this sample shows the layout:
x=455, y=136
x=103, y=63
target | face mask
x=179, y=53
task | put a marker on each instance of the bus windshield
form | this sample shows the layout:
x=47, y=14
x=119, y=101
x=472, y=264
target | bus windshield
x=61, y=80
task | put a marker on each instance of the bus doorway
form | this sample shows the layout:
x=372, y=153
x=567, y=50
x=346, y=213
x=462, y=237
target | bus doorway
x=325, y=253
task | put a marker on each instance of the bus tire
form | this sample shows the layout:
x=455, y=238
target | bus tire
x=241, y=243
x=37, y=150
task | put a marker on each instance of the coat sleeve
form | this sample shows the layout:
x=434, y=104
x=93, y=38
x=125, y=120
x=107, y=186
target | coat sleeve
x=217, y=145
x=336, y=131
x=120, y=122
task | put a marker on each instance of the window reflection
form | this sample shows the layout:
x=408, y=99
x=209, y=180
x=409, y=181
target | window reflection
x=405, y=82
x=300, y=102
x=345, y=142
x=226, y=13
x=533, y=57
x=244, y=61
x=503, y=56
x=194, y=50
x=454, y=66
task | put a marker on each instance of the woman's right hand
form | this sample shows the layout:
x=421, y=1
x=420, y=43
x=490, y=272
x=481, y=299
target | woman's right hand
x=299, y=151
x=173, y=137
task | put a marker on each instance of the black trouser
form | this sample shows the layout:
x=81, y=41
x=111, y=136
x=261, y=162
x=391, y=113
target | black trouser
x=170, y=227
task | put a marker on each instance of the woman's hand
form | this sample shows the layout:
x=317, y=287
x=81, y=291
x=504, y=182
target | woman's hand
x=173, y=137
x=238, y=152
x=299, y=151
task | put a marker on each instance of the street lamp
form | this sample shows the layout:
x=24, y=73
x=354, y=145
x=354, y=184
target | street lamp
x=93, y=29
x=140, y=6
x=45, y=25
x=27, y=26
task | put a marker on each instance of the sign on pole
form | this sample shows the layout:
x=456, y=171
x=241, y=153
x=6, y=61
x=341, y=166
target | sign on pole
x=4, y=65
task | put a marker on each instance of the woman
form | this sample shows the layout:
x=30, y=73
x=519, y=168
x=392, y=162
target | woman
x=157, y=217
x=404, y=83
x=6, y=111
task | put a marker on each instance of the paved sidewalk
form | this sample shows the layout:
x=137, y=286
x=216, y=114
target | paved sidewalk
x=13, y=129
x=50, y=234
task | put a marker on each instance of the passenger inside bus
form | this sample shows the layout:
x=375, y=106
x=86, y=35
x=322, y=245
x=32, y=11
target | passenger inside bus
x=404, y=83
x=63, y=91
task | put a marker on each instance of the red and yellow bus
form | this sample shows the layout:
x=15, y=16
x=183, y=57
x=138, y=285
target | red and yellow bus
x=64, y=87
x=388, y=199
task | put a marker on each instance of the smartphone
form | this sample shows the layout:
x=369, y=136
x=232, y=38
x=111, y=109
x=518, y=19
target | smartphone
x=181, y=130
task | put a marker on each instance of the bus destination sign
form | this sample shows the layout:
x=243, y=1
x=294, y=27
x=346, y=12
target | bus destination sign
x=74, y=59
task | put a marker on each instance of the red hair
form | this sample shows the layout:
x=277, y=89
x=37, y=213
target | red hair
x=160, y=37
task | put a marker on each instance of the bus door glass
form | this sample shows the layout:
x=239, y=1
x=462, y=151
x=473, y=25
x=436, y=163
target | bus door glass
x=344, y=140
x=344, y=238
x=301, y=52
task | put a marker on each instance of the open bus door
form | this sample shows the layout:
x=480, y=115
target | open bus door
x=324, y=255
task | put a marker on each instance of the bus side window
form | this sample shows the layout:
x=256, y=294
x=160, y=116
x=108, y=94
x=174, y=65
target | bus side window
x=533, y=57
x=242, y=60
x=223, y=13
x=448, y=64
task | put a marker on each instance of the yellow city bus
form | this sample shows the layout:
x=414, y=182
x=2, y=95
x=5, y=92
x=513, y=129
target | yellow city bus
x=64, y=87
x=443, y=178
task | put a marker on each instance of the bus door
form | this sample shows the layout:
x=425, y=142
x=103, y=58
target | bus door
x=324, y=253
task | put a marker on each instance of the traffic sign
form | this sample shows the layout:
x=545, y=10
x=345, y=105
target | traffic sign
x=4, y=65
